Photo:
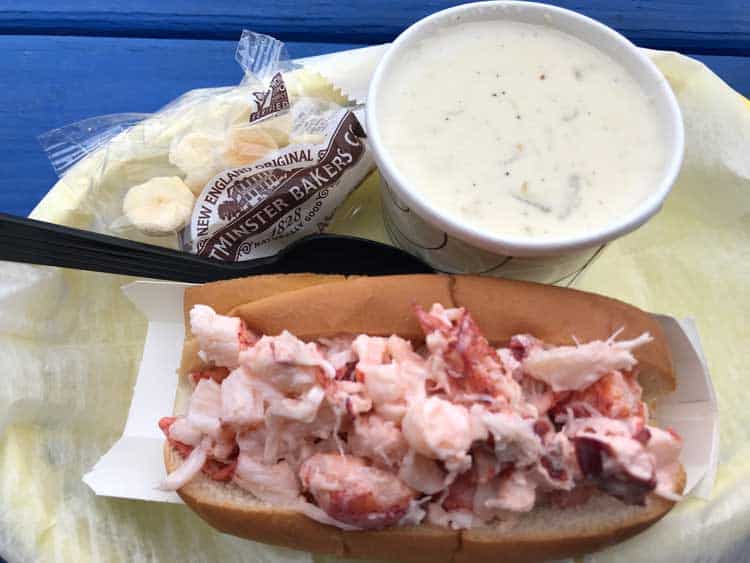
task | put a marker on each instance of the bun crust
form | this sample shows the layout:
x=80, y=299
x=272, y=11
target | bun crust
x=312, y=306
x=538, y=536
x=502, y=308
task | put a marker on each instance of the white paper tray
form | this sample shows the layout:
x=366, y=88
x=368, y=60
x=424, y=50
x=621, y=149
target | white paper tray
x=134, y=466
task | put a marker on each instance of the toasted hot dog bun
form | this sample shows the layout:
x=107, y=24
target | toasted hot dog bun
x=313, y=306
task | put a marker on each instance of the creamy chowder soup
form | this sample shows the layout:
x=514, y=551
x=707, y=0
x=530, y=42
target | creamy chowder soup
x=520, y=130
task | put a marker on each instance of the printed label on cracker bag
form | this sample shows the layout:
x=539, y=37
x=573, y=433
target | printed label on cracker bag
x=272, y=100
x=256, y=210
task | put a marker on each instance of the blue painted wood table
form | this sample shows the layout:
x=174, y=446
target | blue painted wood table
x=67, y=60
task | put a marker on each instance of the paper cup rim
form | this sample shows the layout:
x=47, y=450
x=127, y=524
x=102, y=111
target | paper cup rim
x=514, y=245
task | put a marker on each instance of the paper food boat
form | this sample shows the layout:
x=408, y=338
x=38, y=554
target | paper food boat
x=134, y=466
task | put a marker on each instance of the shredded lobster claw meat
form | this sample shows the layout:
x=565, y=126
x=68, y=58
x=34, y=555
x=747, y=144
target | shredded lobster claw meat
x=365, y=432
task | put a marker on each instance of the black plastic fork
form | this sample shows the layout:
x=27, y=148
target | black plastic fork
x=38, y=242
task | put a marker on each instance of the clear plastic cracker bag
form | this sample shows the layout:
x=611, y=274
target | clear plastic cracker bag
x=232, y=173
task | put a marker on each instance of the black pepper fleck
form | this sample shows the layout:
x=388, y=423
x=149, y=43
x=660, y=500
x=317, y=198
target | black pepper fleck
x=542, y=77
x=507, y=173
x=494, y=94
x=503, y=92
x=518, y=116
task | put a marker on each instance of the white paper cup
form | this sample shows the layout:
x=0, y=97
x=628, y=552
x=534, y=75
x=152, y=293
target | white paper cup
x=417, y=226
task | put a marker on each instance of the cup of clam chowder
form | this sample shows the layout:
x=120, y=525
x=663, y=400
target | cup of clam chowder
x=516, y=139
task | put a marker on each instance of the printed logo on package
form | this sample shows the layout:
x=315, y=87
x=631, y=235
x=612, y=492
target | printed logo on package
x=272, y=100
x=257, y=210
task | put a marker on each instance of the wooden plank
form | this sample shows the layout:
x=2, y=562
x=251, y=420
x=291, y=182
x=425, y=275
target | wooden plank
x=721, y=27
x=735, y=71
x=49, y=82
